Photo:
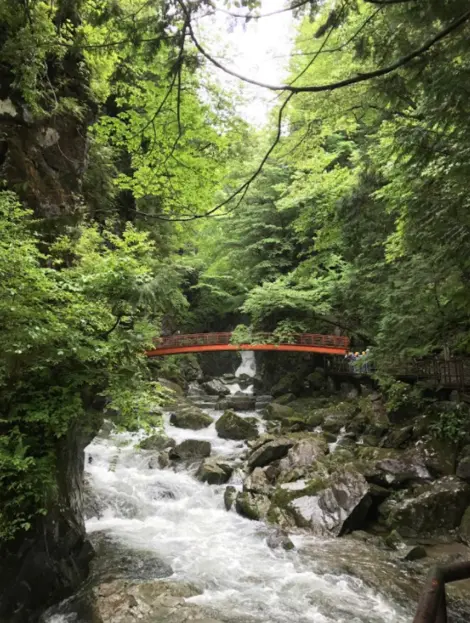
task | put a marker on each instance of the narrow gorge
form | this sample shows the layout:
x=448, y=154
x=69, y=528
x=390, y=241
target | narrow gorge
x=245, y=508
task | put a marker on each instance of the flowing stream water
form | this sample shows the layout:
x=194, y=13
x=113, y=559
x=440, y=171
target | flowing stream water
x=226, y=556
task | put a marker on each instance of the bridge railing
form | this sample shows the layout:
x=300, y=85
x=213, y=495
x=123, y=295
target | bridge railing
x=208, y=339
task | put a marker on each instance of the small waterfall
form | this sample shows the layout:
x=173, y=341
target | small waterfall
x=248, y=364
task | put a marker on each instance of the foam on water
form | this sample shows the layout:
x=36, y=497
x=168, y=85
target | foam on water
x=185, y=523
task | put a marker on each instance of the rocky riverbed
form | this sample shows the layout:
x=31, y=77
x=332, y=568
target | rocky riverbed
x=244, y=508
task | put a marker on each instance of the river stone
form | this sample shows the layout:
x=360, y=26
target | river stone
x=191, y=449
x=193, y=419
x=252, y=505
x=289, y=383
x=269, y=452
x=463, y=468
x=464, y=529
x=413, y=552
x=276, y=411
x=398, y=438
x=438, y=506
x=129, y=601
x=216, y=387
x=284, y=399
x=157, y=442
x=257, y=482
x=229, y=496
x=304, y=453
x=214, y=471
x=340, y=504
x=278, y=539
x=232, y=426
x=400, y=471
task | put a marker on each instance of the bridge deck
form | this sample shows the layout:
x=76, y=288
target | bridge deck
x=209, y=342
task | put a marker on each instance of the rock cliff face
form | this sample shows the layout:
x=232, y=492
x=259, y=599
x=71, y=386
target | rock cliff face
x=53, y=558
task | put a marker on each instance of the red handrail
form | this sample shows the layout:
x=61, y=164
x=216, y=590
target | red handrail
x=203, y=339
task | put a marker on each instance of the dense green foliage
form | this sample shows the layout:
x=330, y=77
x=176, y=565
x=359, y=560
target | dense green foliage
x=360, y=219
x=125, y=207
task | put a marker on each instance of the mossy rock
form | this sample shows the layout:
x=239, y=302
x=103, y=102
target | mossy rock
x=194, y=419
x=436, y=507
x=157, y=442
x=191, y=449
x=251, y=505
x=275, y=411
x=214, y=471
x=284, y=399
x=232, y=426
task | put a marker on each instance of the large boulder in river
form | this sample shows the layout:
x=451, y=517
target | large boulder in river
x=269, y=452
x=252, y=505
x=191, y=450
x=276, y=411
x=195, y=419
x=232, y=426
x=257, y=482
x=214, y=471
x=216, y=387
x=157, y=442
x=333, y=505
x=303, y=454
x=239, y=403
x=438, y=506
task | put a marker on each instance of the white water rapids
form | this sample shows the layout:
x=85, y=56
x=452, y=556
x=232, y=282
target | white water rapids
x=225, y=555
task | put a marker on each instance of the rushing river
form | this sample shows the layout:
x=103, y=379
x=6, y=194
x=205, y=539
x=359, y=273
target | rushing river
x=225, y=555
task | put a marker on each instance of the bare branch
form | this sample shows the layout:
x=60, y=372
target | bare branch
x=242, y=190
x=332, y=86
x=250, y=16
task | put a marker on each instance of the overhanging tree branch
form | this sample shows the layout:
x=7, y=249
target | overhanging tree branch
x=332, y=86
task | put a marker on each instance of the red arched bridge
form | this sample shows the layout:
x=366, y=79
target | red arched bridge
x=206, y=342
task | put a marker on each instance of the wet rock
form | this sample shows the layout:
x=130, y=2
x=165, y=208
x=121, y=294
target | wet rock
x=163, y=459
x=440, y=456
x=157, y=442
x=252, y=505
x=175, y=388
x=216, y=387
x=106, y=429
x=269, y=452
x=284, y=399
x=232, y=426
x=229, y=497
x=398, y=438
x=348, y=390
x=289, y=383
x=257, y=482
x=317, y=379
x=402, y=470
x=333, y=507
x=438, y=506
x=128, y=601
x=413, y=552
x=191, y=449
x=193, y=419
x=464, y=528
x=304, y=453
x=93, y=504
x=463, y=468
x=280, y=539
x=239, y=403
x=333, y=423
x=214, y=471
x=276, y=411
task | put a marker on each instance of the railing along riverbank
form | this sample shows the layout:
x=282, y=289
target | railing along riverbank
x=453, y=373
